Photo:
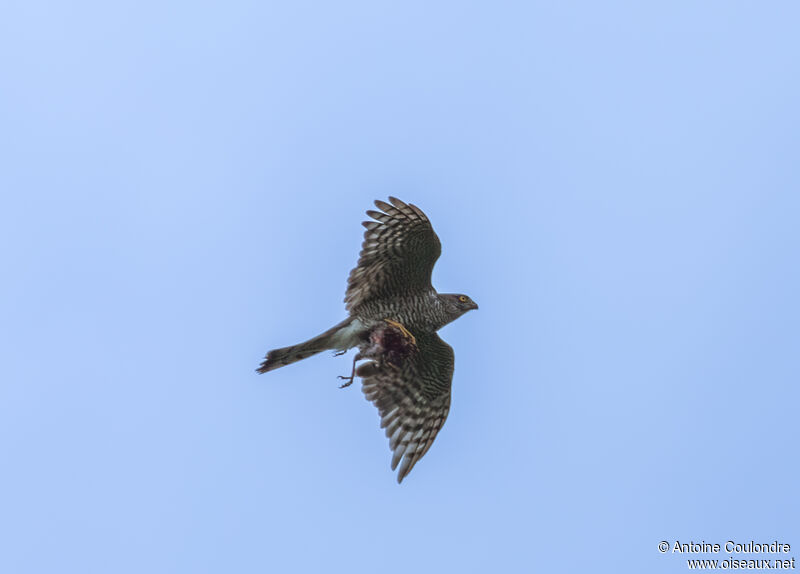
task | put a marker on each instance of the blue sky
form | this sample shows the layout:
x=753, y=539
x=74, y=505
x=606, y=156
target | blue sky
x=616, y=184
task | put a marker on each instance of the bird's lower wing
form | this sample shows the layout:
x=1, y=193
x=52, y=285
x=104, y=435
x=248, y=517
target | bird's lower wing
x=413, y=399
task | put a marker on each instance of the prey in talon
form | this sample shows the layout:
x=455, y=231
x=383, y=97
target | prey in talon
x=388, y=344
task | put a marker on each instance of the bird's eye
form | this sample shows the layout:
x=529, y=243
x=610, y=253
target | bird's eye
x=462, y=298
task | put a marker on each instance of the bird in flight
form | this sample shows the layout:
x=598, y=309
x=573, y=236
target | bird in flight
x=394, y=314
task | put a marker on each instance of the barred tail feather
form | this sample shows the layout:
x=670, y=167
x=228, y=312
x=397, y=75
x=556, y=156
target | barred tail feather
x=288, y=355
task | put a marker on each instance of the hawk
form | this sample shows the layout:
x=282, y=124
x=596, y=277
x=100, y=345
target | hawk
x=394, y=314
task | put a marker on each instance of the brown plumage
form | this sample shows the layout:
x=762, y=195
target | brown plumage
x=394, y=315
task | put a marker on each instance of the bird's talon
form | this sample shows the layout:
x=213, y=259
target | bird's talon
x=346, y=384
x=403, y=330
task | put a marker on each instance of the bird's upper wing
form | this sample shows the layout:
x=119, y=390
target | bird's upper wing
x=413, y=399
x=397, y=255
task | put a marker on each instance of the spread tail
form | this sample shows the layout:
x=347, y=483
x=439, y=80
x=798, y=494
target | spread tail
x=288, y=355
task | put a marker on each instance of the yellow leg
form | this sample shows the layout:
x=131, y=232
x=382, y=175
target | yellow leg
x=403, y=330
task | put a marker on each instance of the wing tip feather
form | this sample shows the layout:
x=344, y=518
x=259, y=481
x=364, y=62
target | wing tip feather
x=382, y=205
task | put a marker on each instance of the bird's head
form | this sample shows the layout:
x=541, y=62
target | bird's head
x=458, y=303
